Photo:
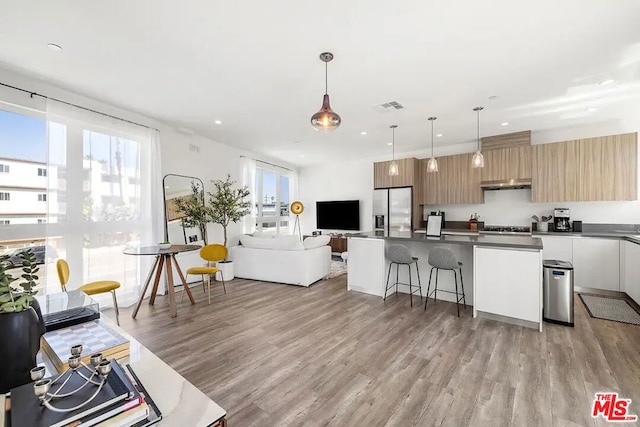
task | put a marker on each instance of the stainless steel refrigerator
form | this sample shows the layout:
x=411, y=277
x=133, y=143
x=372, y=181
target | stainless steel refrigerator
x=392, y=209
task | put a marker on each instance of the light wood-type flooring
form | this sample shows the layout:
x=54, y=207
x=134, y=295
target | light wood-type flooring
x=284, y=355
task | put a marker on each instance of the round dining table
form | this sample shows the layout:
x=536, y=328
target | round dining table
x=164, y=258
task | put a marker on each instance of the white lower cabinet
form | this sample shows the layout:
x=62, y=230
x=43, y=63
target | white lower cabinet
x=631, y=270
x=560, y=248
x=596, y=263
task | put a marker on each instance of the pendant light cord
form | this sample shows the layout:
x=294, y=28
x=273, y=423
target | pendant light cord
x=326, y=78
x=478, y=130
x=393, y=144
x=432, y=139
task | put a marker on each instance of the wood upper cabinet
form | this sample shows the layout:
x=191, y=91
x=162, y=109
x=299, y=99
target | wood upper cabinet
x=406, y=174
x=456, y=182
x=592, y=169
x=507, y=163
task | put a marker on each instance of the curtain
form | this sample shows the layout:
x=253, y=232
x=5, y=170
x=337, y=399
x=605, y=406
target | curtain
x=293, y=196
x=248, y=167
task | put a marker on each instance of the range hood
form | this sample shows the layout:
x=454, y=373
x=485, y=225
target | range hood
x=506, y=184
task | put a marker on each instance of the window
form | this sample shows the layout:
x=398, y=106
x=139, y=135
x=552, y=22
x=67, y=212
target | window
x=42, y=197
x=272, y=202
x=4, y=168
x=4, y=196
x=42, y=221
x=42, y=172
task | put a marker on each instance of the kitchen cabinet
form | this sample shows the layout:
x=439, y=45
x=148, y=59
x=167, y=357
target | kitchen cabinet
x=560, y=248
x=406, y=174
x=507, y=163
x=630, y=270
x=596, y=263
x=456, y=182
x=591, y=169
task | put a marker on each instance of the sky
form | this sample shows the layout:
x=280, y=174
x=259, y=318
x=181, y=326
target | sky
x=23, y=137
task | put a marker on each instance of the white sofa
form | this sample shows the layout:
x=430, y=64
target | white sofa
x=281, y=259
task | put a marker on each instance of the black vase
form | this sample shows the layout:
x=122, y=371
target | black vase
x=19, y=344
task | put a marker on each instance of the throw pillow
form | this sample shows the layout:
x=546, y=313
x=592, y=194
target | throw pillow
x=316, y=242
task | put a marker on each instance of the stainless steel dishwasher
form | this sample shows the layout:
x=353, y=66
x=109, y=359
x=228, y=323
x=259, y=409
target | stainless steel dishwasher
x=557, y=282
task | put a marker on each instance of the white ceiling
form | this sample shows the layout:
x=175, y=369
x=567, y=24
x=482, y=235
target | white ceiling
x=254, y=65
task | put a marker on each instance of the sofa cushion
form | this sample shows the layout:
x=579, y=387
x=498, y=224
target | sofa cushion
x=316, y=241
x=262, y=235
x=282, y=243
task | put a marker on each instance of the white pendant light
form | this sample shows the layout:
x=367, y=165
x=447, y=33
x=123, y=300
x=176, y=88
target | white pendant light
x=326, y=119
x=478, y=159
x=432, y=163
x=393, y=167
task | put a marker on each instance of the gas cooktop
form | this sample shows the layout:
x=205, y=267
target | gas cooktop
x=505, y=229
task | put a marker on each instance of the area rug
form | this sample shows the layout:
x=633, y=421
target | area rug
x=338, y=268
x=609, y=308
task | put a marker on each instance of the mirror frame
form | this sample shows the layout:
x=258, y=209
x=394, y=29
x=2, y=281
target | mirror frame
x=164, y=200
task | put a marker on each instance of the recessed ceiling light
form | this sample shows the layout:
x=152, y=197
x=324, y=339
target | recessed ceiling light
x=363, y=132
x=504, y=124
x=55, y=47
x=389, y=143
x=590, y=109
x=439, y=135
x=606, y=82
x=218, y=122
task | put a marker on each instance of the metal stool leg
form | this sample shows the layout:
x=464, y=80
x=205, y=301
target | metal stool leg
x=386, y=288
x=419, y=284
x=115, y=307
x=464, y=301
x=397, y=280
x=410, y=285
x=455, y=278
x=428, y=288
x=435, y=291
x=223, y=286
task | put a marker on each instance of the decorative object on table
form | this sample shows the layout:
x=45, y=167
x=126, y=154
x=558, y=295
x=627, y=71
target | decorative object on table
x=317, y=233
x=64, y=309
x=477, y=161
x=21, y=323
x=610, y=308
x=432, y=163
x=434, y=225
x=297, y=208
x=542, y=225
x=326, y=119
x=473, y=221
x=81, y=395
x=196, y=213
x=92, y=288
x=212, y=254
x=164, y=245
x=96, y=337
x=393, y=166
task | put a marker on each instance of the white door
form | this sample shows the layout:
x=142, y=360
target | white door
x=596, y=263
x=559, y=248
x=631, y=271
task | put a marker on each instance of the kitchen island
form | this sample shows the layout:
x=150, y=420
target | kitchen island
x=502, y=274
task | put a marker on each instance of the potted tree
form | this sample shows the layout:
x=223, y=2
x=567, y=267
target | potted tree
x=21, y=324
x=196, y=213
x=227, y=204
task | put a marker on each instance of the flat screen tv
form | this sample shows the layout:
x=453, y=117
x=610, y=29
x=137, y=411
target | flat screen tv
x=338, y=215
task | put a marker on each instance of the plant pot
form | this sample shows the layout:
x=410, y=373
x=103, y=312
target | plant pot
x=20, y=336
x=226, y=267
x=543, y=227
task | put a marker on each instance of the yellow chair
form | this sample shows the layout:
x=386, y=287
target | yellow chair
x=92, y=288
x=210, y=253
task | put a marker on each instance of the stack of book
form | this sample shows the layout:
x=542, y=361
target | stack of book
x=122, y=402
x=95, y=337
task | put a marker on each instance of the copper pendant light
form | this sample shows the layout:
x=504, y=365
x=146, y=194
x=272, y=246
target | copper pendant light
x=326, y=119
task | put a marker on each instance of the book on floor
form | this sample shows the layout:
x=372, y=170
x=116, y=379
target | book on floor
x=116, y=396
x=95, y=337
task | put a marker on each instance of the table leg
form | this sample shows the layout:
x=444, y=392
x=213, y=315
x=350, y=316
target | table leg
x=184, y=282
x=146, y=285
x=154, y=291
x=173, y=311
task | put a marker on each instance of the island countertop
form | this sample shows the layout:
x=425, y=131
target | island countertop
x=502, y=241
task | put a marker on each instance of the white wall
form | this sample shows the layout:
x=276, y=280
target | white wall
x=336, y=181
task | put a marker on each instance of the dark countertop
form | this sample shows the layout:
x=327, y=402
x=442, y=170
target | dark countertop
x=634, y=238
x=502, y=241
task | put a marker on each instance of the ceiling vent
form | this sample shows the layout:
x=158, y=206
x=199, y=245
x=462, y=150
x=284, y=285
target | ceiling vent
x=388, y=106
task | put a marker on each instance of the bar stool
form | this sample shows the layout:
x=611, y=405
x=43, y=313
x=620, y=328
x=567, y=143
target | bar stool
x=442, y=258
x=400, y=255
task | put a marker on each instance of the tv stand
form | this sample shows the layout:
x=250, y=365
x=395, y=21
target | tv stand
x=338, y=242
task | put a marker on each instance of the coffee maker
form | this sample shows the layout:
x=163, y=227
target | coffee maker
x=561, y=219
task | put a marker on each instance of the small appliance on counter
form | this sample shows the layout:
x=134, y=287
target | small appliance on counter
x=561, y=221
x=576, y=226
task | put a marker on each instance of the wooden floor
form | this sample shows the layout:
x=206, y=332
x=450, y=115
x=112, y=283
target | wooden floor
x=285, y=355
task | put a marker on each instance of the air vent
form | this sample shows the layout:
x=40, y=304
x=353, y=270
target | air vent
x=388, y=106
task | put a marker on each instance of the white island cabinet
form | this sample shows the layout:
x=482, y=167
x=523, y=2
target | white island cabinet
x=508, y=282
x=631, y=270
x=596, y=263
x=560, y=248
